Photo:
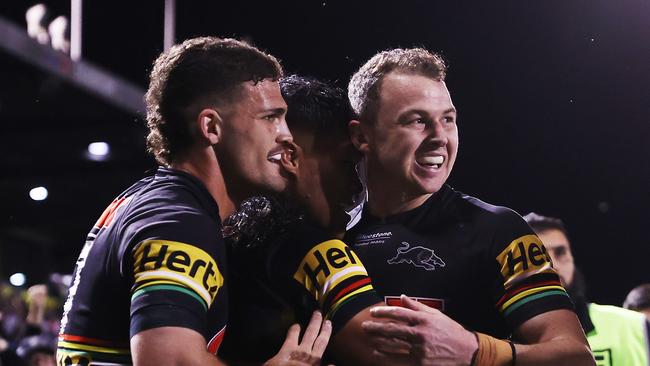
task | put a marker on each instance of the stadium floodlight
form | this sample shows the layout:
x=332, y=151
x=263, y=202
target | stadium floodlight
x=38, y=193
x=36, y=17
x=98, y=151
x=59, y=31
x=17, y=279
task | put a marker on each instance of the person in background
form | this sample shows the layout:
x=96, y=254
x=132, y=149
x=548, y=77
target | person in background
x=38, y=350
x=639, y=299
x=617, y=336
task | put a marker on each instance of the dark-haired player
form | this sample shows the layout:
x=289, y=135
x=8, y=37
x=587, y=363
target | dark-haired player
x=292, y=257
x=150, y=285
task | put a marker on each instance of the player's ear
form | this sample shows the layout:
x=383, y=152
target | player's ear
x=290, y=160
x=358, y=135
x=209, y=121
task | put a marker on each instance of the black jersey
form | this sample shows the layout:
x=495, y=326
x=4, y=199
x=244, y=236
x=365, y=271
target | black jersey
x=310, y=271
x=154, y=258
x=289, y=263
x=480, y=264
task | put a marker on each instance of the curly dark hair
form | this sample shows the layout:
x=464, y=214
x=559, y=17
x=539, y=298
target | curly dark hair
x=207, y=70
x=364, y=87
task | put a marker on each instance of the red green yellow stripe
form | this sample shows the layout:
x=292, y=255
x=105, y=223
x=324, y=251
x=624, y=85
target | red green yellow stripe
x=530, y=298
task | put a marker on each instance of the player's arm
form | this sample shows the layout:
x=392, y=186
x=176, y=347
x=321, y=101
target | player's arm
x=175, y=284
x=183, y=346
x=171, y=346
x=336, y=278
x=306, y=266
x=352, y=345
x=331, y=274
x=552, y=338
x=533, y=301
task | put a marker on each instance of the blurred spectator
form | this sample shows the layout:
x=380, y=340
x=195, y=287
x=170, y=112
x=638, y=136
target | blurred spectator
x=617, y=336
x=639, y=299
x=36, y=298
x=38, y=350
x=29, y=323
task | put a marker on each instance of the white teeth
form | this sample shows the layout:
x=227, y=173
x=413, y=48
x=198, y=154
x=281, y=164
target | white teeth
x=431, y=160
x=275, y=157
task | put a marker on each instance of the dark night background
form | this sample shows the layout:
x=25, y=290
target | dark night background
x=554, y=101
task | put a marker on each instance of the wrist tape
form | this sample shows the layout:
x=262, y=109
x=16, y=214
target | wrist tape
x=493, y=352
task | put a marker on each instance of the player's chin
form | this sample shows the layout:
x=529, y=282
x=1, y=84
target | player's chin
x=274, y=182
x=279, y=184
x=276, y=178
x=432, y=185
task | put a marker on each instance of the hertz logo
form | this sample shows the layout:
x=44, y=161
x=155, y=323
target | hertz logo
x=326, y=265
x=525, y=256
x=170, y=262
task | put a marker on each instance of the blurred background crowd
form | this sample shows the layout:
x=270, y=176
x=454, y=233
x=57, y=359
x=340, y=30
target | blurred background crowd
x=29, y=320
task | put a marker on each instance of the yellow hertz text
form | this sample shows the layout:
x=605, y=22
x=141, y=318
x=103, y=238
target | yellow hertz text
x=524, y=257
x=326, y=265
x=171, y=262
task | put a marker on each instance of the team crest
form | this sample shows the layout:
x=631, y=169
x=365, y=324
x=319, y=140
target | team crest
x=418, y=256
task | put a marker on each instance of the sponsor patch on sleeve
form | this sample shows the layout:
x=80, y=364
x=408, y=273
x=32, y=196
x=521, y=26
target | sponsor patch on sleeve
x=176, y=266
x=522, y=258
x=332, y=273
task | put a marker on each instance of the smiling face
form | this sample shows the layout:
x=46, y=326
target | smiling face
x=411, y=145
x=254, y=132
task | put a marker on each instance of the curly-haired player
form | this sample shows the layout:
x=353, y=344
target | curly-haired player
x=150, y=285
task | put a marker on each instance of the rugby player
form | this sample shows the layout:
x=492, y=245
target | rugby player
x=298, y=264
x=150, y=284
x=487, y=293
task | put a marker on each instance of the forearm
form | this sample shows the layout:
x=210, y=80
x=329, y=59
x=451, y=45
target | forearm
x=557, y=351
x=553, y=338
x=351, y=345
x=185, y=359
x=161, y=347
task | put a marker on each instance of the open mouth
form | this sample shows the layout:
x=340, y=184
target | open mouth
x=275, y=158
x=275, y=155
x=434, y=162
x=286, y=150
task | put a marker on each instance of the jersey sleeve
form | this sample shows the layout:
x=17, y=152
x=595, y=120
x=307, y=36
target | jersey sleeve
x=177, y=269
x=525, y=283
x=326, y=271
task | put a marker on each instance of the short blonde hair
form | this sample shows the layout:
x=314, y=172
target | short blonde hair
x=364, y=87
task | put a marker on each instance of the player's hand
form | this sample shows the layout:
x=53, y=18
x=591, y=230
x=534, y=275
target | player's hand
x=432, y=337
x=307, y=352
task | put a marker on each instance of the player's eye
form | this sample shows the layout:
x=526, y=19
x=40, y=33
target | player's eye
x=271, y=117
x=449, y=119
